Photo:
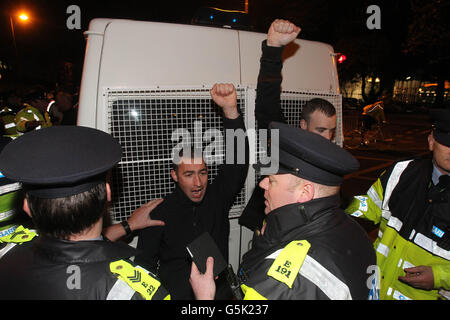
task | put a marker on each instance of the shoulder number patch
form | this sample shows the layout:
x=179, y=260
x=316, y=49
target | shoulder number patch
x=136, y=278
x=19, y=235
x=286, y=266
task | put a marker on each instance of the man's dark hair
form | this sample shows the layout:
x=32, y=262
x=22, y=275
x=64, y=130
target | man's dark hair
x=194, y=151
x=63, y=217
x=317, y=104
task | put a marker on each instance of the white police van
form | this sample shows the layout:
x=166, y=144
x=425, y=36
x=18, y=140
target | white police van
x=143, y=80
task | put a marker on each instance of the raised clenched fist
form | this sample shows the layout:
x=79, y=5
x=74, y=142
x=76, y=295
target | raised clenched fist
x=224, y=95
x=281, y=32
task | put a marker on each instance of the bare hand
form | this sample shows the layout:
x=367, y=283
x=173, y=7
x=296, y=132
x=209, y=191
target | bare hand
x=140, y=218
x=224, y=95
x=281, y=32
x=420, y=277
x=203, y=285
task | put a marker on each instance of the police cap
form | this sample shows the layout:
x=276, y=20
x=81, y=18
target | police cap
x=310, y=156
x=441, y=125
x=60, y=161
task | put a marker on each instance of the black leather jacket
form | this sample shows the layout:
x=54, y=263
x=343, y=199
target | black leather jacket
x=267, y=109
x=165, y=247
x=65, y=270
x=338, y=245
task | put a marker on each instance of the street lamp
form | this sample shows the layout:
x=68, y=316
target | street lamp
x=24, y=18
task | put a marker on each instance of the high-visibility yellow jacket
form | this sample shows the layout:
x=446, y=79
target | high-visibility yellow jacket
x=10, y=199
x=30, y=113
x=44, y=268
x=414, y=221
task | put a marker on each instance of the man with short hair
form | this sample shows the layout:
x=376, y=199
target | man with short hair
x=66, y=195
x=309, y=249
x=410, y=202
x=191, y=175
x=194, y=206
x=318, y=115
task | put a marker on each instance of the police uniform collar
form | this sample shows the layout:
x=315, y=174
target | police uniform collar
x=86, y=251
x=288, y=223
x=436, y=174
x=283, y=220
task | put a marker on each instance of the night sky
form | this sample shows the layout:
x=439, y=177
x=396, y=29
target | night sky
x=44, y=43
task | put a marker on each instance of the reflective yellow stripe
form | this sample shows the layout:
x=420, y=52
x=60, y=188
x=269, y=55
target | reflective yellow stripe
x=395, y=223
x=286, y=266
x=10, y=187
x=120, y=291
x=375, y=193
x=383, y=249
x=136, y=277
x=251, y=294
x=392, y=183
x=332, y=286
x=6, y=248
x=20, y=235
x=7, y=230
x=312, y=270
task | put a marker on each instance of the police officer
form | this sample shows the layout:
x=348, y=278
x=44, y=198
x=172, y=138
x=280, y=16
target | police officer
x=30, y=118
x=308, y=247
x=318, y=115
x=40, y=111
x=10, y=198
x=410, y=202
x=9, y=126
x=66, y=195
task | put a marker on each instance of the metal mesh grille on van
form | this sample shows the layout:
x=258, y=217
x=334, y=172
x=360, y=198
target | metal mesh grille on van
x=292, y=105
x=143, y=121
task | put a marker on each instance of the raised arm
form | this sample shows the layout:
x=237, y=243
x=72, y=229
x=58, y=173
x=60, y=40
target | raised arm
x=231, y=174
x=224, y=95
x=268, y=105
x=281, y=32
